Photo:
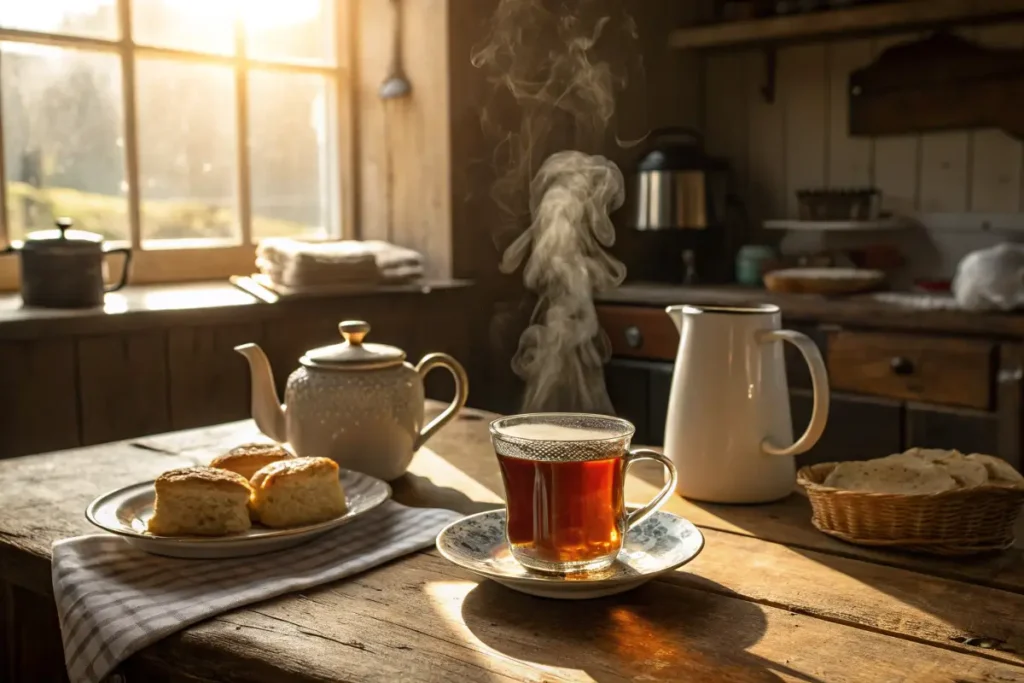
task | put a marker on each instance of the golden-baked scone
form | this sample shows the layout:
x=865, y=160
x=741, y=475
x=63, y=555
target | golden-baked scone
x=200, y=501
x=297, y=492
x=250, y=458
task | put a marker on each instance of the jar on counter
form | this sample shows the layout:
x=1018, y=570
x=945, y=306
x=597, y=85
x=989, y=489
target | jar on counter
x=751, y=261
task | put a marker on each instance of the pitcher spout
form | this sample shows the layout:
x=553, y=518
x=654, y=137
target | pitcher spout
x=266, y=411
x=676, y=313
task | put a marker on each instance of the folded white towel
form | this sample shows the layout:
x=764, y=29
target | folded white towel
x=297, y=264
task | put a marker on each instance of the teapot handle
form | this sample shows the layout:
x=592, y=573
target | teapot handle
x=819, y=385
x=443, y=360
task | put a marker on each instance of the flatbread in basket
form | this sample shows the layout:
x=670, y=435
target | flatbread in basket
x=924, y=500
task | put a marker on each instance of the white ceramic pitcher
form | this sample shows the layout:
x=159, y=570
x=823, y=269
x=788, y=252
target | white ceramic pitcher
x=728, y=429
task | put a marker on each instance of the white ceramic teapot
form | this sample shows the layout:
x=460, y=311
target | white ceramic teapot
x=358, y=404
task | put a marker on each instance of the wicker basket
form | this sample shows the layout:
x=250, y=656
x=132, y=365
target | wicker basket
x=958, y=522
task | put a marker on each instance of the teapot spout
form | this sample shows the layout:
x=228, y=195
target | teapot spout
x=266, y=411
x=676, y=313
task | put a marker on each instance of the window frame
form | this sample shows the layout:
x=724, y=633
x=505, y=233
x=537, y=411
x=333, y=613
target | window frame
x=213, y=262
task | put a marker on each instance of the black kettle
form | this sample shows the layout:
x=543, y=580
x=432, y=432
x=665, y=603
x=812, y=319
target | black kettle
x=678, y=186
x=63, y=268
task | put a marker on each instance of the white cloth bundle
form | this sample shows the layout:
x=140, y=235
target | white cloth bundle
x=991, y=279
x=296, y=264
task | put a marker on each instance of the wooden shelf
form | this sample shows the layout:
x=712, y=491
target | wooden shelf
x=896, y=17
x=882, y=224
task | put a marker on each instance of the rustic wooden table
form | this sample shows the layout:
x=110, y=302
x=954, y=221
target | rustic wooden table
x=770, y=598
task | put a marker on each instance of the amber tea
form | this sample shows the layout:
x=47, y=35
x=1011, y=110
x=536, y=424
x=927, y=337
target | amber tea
x=564, y=476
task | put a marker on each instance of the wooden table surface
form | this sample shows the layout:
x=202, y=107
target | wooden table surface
x=770, y=598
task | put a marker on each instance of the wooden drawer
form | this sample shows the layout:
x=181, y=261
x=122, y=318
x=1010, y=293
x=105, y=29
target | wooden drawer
x=639, y=332
x=956, y=372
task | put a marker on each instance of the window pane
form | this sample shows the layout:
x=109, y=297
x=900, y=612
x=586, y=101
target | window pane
x=291, y=153
x=92, y=18
x=203, y=25
x=187, y=151
x=63, y=139
x=296, y=30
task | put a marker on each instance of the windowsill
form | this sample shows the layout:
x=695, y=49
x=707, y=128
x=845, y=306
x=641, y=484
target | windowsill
x=140, y=307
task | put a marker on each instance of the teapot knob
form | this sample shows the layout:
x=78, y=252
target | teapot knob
x=354, y=331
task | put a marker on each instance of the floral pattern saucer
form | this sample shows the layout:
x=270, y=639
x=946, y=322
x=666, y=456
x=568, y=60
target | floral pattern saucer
x=659, y=544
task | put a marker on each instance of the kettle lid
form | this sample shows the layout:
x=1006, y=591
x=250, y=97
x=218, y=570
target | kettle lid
x=353, y=354
x=677, y=149
x=62, y=238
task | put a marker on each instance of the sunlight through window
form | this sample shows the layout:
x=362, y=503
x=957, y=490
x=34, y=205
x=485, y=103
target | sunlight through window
x=172, y=125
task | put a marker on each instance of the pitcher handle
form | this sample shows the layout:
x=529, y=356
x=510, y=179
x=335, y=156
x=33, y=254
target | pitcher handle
x=819, y=384
x=443, y=360
x=637, y=516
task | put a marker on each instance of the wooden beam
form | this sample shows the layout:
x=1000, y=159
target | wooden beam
x=893, y=17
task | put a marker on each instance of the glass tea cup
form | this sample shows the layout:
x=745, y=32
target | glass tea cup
x=564, y=475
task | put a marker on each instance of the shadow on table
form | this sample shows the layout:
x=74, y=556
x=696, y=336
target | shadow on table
x=416, y=491
x=656, y=632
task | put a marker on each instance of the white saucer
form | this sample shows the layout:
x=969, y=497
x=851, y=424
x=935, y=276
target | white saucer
x=126, y=512
x=659, y=544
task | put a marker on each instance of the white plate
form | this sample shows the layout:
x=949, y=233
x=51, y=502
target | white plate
x=126, y=512
x=659, y=544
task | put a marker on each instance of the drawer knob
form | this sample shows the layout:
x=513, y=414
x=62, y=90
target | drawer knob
x=902, y=366
x=634, y=338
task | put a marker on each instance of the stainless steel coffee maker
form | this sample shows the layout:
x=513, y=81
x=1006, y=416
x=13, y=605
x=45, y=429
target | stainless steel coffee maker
x=678, y=186
x=680, y=210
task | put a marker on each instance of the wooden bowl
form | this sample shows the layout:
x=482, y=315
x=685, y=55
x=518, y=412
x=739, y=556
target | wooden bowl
x=829, y=281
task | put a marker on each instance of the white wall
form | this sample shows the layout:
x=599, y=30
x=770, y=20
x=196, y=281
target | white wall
x=966, y=188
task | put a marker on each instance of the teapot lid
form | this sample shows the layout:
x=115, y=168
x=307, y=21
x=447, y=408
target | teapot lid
x=353, y=354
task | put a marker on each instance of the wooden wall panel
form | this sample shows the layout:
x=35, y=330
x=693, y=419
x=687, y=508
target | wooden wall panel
x=766, y=167
x=804, y=95
x=897, y=157
x=123, y=386
x=801, y=140
x=38, y=397
x=405, y=159
x=849, y=158
x=208, y=381
x=996, y=182
x=726, y=119
x=944, y=173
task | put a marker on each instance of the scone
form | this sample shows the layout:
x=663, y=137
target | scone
x=200, y=501
x=297, y=492
x=250, y=458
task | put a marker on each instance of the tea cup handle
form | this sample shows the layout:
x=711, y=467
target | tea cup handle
x=443, y=360
x=637, y=516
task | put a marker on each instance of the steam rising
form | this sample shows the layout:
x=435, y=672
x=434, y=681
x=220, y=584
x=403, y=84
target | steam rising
x=546, y=56
x=562, y=352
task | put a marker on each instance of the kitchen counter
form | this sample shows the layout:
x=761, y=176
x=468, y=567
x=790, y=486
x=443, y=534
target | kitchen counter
x=865, y=310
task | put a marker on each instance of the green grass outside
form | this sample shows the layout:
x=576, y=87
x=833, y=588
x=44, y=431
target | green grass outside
x=32, y=208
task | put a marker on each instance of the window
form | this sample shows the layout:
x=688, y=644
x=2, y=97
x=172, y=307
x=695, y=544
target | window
x=189, y=129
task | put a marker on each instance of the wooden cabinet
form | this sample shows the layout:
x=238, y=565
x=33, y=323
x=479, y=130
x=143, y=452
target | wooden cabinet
x=639, y=332
x=859, y=427
x=941, y=370
x=79, y=389
x=889, y=391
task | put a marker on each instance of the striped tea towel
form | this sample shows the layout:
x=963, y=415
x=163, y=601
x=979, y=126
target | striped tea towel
x=113, y=600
